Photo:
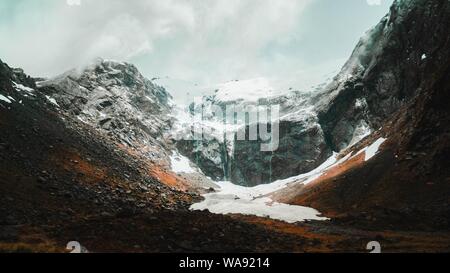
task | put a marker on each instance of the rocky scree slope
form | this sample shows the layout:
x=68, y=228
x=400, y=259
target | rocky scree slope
x=41, y=143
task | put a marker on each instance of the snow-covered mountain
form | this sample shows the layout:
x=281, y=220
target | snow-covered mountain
x=313, y=124
x=387, y=114
x=117, y=99
x=222, y=157
x=114, y=97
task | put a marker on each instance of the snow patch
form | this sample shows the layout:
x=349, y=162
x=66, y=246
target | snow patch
x=360, y=103
x=232, y=198
x=20, y=87
x=372, y=149
x=52, y=100
x=180, y=164
x=5, y=99
x=235, y=199
x=81, y=119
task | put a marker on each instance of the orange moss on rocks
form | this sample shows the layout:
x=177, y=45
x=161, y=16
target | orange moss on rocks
x=73, y=162
x=299, y=194
x=318, y=193
x=31, y=240
x=339, y=169
x=169, y=178
x=157, y=170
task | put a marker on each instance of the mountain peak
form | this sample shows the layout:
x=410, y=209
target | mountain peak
x=115, y=97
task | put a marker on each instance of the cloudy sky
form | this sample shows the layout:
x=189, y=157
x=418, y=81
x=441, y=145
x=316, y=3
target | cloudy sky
x=197, y=41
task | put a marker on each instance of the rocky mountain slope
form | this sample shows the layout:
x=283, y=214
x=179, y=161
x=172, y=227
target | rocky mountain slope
x=115, y=98
x=408, y=179
x=383, y=74
x=63, y=180
x=386, y=70
x=406, y=184
x=45, y=145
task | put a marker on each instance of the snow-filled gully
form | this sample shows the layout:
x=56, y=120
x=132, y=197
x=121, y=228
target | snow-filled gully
x=235, y=199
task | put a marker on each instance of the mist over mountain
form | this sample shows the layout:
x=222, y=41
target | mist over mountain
x=105, y=155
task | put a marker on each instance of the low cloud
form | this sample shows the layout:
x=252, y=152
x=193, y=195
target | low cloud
x=183, y=38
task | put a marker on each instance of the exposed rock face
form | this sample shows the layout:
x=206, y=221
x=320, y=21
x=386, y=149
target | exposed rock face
x=406, y=181
x=301, y=146
x=211, y=155
x=385, y=70
x=11, y=76
x=115, y=98
x=409, y=178
x=301, y=143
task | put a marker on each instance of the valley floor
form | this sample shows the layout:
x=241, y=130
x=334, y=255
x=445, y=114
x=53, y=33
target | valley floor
x=203, y=232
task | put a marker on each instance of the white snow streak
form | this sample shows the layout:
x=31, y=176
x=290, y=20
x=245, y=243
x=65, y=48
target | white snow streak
x=372, y=150
x=52, y=100
x=233, y=198
x=20, y=87
x=181, y=164
x=5, y=99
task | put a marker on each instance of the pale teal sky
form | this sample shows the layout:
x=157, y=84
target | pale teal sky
x=201, y=41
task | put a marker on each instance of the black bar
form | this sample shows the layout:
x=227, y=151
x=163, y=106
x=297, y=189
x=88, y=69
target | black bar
x=171, y=262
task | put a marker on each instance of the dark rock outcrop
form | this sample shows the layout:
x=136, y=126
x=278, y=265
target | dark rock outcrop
x=9, y=76
x=386, y=69
x=301, y=148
